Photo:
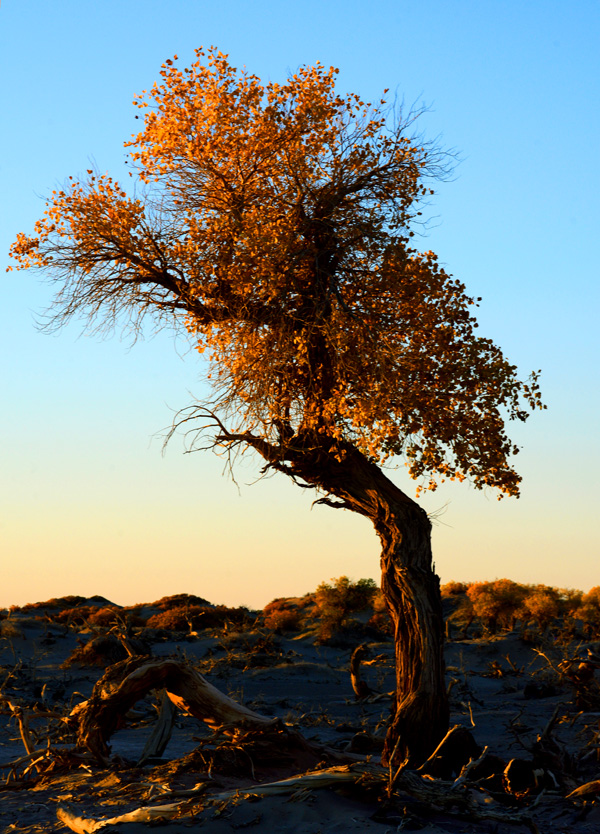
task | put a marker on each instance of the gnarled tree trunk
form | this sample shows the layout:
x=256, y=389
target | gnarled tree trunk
x=412, y=592
x=409, y=583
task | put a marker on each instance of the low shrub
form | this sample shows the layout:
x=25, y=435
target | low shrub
x=74, y=616
x=282, y=619
x=100, y=651
x=112, y=615
x=381, y=622
x=56, y=604
x=453, y=589
x=198, y=617
x=179, y=600
x=9, y=629
x=588, y=611
x=334, y=603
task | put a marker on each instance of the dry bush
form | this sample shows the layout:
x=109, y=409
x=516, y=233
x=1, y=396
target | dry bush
x=112, y=615
x=56, y=603
x=250, y=649
x=588, y=611
x=198, y=617
x=380, y=621
x=283, y=620
x=10, y=629
x=288, y=613
x=378, y=602
x=497, y=604
x=74, y=616
x=279, y=604
x=542, y=604
x=179, y=600
x=106, y=617
x=179, y=618
x=453, y=589
x=334, y=603
x=101, y=651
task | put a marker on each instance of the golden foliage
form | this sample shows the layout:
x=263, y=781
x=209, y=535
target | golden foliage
x=498, y=603
x=273, y=222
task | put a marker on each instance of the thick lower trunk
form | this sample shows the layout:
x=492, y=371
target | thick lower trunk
x=412, y=593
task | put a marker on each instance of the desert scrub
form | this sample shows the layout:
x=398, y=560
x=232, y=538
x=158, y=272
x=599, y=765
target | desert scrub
x=287, y=613
x=112, y=615
x=101, y=651
x=589, y=613
x=54, y=604
x=497, y=604
x=9, y=629
x=179, y=600
x=282, y=620
x=76, y=616
x=251, y=650
x=334, y=603
x=453, y=589
x=188, y=618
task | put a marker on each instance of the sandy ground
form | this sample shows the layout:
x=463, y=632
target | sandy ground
x=502, y=690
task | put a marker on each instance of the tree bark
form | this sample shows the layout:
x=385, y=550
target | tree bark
x=412, y=593
x=409, y=584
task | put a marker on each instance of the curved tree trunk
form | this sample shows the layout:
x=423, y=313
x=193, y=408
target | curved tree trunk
x=410, y=586
x=412, y=593
x=411, y=590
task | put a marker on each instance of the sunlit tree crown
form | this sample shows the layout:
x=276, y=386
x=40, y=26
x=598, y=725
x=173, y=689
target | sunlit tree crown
x=274, y=223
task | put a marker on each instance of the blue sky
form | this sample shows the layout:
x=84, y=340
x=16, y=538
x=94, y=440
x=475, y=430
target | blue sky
x=89, y=504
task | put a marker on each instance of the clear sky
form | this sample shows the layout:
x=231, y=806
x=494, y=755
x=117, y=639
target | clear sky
x=90, y=505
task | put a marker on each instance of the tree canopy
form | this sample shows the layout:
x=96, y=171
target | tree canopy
x=273, y=221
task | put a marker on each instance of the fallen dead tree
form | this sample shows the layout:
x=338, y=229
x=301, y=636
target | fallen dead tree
x=333, y=777
x=127, y=682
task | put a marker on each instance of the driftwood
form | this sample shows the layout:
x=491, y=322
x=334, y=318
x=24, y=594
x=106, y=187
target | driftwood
x=127, y=682
x=361, y=689
x=451, y=796
x=332, y=777
x=82, y=825
x=454, y=752
x=591, y=790
x=163, y=729
x=28, y=744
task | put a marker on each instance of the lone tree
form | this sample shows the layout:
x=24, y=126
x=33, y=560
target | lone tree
x=274, y=226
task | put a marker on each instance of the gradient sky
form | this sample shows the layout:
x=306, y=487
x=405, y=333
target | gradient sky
x=88, y=502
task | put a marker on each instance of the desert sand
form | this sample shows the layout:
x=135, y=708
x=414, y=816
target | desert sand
x=507, y=690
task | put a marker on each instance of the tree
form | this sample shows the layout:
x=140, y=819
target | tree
x=274, y=224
